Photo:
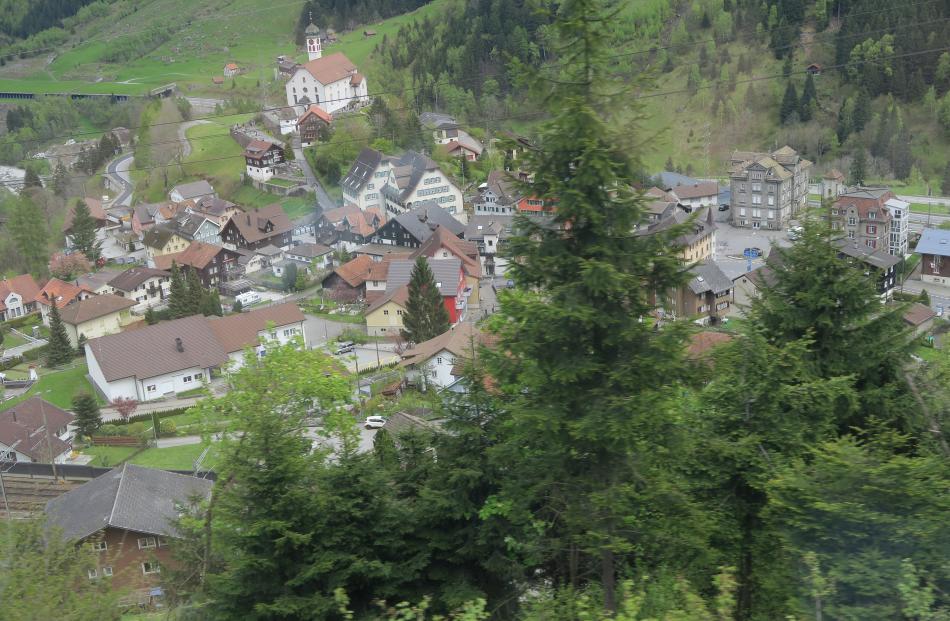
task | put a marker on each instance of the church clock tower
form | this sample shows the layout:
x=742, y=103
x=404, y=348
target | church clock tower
x=314, y=45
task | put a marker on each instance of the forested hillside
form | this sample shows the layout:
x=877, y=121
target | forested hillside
x=348, y=14
x=21, y=18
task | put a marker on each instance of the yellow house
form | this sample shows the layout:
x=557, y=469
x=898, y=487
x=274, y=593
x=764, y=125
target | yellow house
x=96, y=316
x=384, y=316
x=160, y=240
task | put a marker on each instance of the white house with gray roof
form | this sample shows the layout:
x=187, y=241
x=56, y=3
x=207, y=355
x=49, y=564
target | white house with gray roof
x=191, y=191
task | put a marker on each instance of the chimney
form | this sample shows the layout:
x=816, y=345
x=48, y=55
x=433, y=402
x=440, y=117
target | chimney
x=248, y=219
x=178, y=344
x=14, y=415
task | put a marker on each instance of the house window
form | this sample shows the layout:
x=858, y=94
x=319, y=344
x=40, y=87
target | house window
x=756, y=213
x=93, y=574
x=107, y=571
x=871, y=243
x=371, y=186
x=99, y=546
x=386, y=312
x=438, y=360
x=146, y=543
x=872, y=229
x=742, y=211
x=756, y=187
x=290, y=332
x=150, y=388
x=850, y=234
x=756, y=199
x=186, y=379
x=438, y=285
x=872, y=215
x=834, y=212
x=399, y=313
x=150, y=567
x=771, y=199
x=851, y=221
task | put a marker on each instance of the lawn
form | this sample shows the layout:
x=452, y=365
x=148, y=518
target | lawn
x=218, y=156
x=57, y=387
x=109, y=456
x=250, y=197
x=177, y=457
x=12, y=339
x=930, y=209
x=297, y=206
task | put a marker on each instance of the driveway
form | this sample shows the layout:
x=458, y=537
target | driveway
x=732, y=241
x=323, y=199
x=118, y=172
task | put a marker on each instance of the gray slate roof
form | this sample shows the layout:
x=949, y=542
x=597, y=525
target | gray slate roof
x=362, y=170
x=934, y=241
x=708, y=277
x=445, y=271
x=871, y=256
x=422, y=219
x=195, y=189
x=143, y=500
x=437, y=120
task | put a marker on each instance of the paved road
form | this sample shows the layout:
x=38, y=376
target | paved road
x=320, y=331
x=183, y=138
x=203, y=105
x=118, y=171
x=920, y=221
x=927, y=200
x=939, y=296
x=323, y=199
x=19, y=349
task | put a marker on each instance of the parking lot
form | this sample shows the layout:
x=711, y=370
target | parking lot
x=732, y=241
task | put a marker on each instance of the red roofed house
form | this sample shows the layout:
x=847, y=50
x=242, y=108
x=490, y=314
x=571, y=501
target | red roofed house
x=310, y=124
x=260, y=158
x=215, y=264
x=231, y=70
x=17, y=296
x=60, y=293
x=35, y=431
x=863, y=216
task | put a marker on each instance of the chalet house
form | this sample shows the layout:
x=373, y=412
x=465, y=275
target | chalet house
x=447, y=131
x=384, y=316
x=215, y=209
x=17, y=296
x=934, y=248
x=176, y=356
x=260, y=159
x=348, y=226
x=144, y=217
x=286, y=66
x=95, y=210
x=97, y=282
x=443, y=244
x=127, y=517
x=145, y=287
x=412, y=228
x=434, y=363
x=347, y=283
x=490, y=233
x=231, y=70
x=96, y=316
x=863, y=217
x=60, y=293
x=35, y=431
x=214, y=264
x=498, y=196
x=161, y=240
x=333, y=82
x=191, y=191
x=706, y=298
x=877, y=264
x=376, y=279
x=257, y=228
x=397, y=183
x=767, y=189
x=660, y=206
x=699, y=243
x=312, y=123
x=195, y=227
x=306, y=255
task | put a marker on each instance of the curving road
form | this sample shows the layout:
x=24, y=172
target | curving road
x=118, y=172
x=183, y=136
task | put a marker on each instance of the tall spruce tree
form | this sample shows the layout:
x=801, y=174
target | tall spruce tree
x=426, y=316
x=30, y=235
x=195, y=293
x=84, y=232
x=789, y=109
x=859, y=166
x=581, y=444
x=88, y=418
x=59, y=350
x=178, y=302
x=809, y=100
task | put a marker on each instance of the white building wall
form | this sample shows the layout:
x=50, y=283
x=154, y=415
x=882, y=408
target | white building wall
x=161, y=385
x=331, y=97
x=438, y=370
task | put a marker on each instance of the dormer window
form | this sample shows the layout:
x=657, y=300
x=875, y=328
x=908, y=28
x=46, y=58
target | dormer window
x=872, y=215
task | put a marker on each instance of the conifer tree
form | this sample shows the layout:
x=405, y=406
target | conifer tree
x=859, y=166
x=59, y=350
x=575, y=350
x=60, y=180
x=150, y=317
x=789, y=104
x=31, y=179
x=945, y=182
x=84, y=232
x=809, y=100
x=88, y=418
x=195, y=294
x=30, y=235
x=426, y=316
x=178, y=303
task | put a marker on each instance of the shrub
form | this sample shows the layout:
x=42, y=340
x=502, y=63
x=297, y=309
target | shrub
x=168, y=427
x=108, y=430
x=135, y=429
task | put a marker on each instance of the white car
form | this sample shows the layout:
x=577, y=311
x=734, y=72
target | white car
x=374, y=422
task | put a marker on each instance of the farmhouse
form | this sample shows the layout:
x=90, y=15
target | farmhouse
x=35, y=431
x=191, y=191
x=310, y=124
x=260, y=158
x=214, y=264
x=412, y=228
x=258, y=228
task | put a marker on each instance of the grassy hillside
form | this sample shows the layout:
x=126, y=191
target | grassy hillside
x=204, y=37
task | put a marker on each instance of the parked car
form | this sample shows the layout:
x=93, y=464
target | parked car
x=374, y=422
x=723, y=207
x=345, y=347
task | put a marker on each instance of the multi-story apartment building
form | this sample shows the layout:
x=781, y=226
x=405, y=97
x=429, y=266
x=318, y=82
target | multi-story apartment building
x=768, y=188
x=862, y=215
x=900, y=223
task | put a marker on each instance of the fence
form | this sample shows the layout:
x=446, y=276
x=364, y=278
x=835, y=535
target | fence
x=115, y=441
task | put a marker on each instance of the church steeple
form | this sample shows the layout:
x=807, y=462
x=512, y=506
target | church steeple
x=314, y=44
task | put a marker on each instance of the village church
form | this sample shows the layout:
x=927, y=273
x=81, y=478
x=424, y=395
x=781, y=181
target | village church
x=331, y=82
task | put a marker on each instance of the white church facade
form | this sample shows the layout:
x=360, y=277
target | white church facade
x=332, y=82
